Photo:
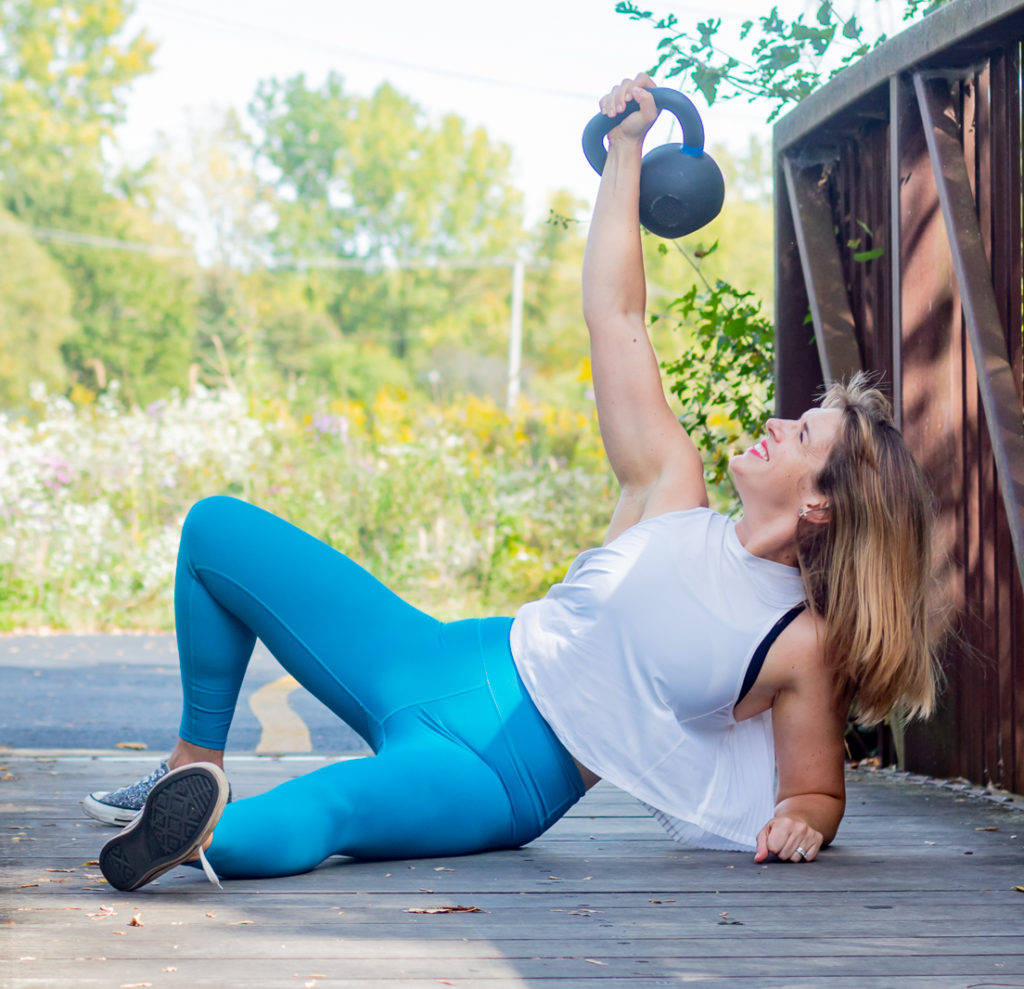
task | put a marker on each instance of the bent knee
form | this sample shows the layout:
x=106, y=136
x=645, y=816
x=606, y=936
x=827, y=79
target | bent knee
x=211, y=518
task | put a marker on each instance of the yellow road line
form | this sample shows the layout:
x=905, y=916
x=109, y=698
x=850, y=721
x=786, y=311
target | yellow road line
x=281, y=729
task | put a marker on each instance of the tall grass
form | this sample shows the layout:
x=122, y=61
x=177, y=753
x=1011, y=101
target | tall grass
x=460, y=508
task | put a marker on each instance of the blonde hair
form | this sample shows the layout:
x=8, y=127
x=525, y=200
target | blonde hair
x=867, y=567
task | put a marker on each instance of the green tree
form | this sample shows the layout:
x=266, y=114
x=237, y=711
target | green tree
x=35, y=315
x=64, y=73
x=555, y=345
x=382, y=208
x=135, y=289
x=207, y=188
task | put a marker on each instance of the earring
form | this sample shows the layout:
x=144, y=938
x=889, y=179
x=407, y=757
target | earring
x=803, y=512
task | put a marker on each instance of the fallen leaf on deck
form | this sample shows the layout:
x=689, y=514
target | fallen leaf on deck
x=170, y=969
x=1019, y=889
x=239, y=923
x=27, y=885
x=455, y=909
x=60, y=870
x=594, y=961
x=441, y=868
x=92, y=862
x=136, y=921
x=132, y=745
x=986, y=829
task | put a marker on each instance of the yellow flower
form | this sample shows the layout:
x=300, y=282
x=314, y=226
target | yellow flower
x=80, y=395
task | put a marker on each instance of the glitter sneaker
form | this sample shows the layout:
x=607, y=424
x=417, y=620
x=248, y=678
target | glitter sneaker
x=121, y=807
x=180, y=813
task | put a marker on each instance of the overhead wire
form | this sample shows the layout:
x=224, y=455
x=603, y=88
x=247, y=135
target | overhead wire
x=277, y=35
x=369, y=265
x=364, y=56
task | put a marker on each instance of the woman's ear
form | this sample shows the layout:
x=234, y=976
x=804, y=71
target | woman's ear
x=818, y=514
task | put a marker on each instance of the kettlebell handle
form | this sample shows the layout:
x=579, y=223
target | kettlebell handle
x=664, y=99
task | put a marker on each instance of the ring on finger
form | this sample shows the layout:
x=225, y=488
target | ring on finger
x=802, y=852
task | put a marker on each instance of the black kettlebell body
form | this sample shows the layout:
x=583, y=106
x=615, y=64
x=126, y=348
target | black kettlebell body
x=681, y=187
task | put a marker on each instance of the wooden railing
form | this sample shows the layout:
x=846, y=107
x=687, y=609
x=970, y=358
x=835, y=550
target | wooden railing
x=899, y=210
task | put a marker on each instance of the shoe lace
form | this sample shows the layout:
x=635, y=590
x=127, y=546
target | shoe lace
x=208, y=869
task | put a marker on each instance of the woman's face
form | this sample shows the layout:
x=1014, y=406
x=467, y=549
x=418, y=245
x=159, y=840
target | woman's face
x=777, y=473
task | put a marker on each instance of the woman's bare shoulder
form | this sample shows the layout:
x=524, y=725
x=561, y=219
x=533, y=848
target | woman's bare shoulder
x=798, y=655
x=803, y=640
x=796, y=661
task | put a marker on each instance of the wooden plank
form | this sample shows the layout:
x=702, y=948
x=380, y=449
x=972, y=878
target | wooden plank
x=930, y=397
x=641, y=909
x=1010, y=603
x=999, y=392
x=358, y=943
x=597, y=966
x=834, y=331
x=898, y=100
x=797, y=368
x=977, y=550
x=226, y=974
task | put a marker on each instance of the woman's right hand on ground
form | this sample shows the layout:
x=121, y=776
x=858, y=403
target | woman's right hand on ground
x=637, y=124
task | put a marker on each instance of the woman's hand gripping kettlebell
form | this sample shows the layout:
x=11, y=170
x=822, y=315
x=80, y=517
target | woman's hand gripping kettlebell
x=636, y=125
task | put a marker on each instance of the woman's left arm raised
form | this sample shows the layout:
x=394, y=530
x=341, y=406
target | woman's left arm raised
x=808, y=723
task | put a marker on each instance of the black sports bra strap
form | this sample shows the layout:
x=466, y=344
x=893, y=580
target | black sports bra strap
x=757, y=660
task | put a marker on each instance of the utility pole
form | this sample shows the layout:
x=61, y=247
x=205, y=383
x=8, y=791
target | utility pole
x=515, y=337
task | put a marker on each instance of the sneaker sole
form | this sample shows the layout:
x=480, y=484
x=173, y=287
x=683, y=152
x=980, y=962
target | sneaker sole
x=108, y=814
x=179, y=814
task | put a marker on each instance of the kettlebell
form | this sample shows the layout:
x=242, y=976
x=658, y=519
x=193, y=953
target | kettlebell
x=681, y=187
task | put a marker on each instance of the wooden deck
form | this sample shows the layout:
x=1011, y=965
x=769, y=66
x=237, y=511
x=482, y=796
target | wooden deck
x=919, y=891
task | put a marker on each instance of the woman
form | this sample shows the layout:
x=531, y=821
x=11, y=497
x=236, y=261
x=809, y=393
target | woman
x=682, y=660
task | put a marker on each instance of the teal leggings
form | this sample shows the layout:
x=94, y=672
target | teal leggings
x=463, y=760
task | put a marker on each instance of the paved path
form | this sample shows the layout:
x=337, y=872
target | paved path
x=919, y=891
x=95, y=691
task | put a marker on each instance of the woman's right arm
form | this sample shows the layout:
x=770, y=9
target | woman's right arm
x=656, y=463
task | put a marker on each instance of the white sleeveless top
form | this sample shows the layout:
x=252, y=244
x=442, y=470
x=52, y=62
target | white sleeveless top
x=637, y=658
